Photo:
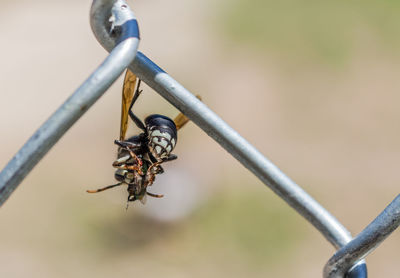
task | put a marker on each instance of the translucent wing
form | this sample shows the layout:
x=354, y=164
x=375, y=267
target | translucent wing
x=181, y=119
x=127, y=96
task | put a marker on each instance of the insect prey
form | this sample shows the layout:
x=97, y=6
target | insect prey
x=140, y=156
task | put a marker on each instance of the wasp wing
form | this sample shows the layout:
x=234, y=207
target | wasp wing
x=127, y=96
x=181, y=119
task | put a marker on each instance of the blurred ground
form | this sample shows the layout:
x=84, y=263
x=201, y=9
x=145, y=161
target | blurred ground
x=313, y=86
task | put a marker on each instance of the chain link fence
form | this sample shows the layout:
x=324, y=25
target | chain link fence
x=115, y=26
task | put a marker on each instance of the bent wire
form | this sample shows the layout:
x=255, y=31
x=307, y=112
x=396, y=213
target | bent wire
x=365, y=242
x=115, y=27
x=229, y=139
x=120, y=21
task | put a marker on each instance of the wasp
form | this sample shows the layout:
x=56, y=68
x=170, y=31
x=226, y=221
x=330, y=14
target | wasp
x=140, y=157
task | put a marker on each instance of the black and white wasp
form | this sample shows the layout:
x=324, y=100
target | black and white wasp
x=140, y=157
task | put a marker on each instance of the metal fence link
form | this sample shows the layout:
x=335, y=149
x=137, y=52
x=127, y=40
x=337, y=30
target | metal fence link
x=245, y=153
x=115, y=27
x=121, y=23
x=365, y=242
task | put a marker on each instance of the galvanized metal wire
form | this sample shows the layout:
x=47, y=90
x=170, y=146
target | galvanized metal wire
x=365, y=242
x=120, y=22
x=115, y=27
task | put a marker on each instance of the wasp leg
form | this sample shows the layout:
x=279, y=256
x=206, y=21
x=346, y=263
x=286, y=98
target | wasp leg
x=123, y=161
x=121, y=164
x=128, y=145
x=160, y=170
x=134, y=168
x=170, y=158
x=150, y=178
x=151, y=174
x=134, y=118
x=157, y=164
x=155, y=195
x=104, y=188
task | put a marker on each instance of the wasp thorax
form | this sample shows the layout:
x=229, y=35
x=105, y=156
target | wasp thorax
x=162, y=135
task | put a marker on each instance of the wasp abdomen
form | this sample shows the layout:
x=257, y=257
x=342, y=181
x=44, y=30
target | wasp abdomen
x=162, y=135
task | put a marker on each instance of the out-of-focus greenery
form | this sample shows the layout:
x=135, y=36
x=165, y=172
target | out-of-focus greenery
x=325, y=31
x=257, y=226
x=248, y=228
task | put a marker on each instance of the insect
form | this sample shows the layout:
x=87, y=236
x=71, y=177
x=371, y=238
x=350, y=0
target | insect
x=140, y=157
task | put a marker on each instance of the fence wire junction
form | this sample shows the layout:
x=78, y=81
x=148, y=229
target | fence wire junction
x=115, y=27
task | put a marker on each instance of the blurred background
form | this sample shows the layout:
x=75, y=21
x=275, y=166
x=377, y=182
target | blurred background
x=312, y=84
